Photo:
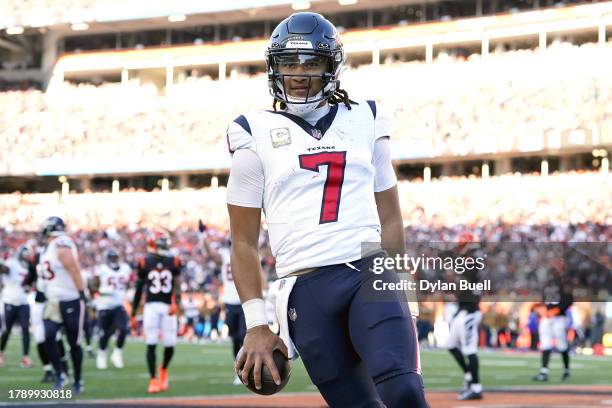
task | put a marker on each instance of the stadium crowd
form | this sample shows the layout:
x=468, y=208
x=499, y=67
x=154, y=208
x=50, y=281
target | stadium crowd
x=515, y=101
x=559, y=208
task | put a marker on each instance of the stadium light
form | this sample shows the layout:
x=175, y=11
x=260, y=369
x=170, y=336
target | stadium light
x=176, y=18
x=347, y=2
x=300, y=5
x=14, y=30
x=79, y=26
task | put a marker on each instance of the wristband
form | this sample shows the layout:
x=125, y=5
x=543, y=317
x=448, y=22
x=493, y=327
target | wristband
x=255, y=313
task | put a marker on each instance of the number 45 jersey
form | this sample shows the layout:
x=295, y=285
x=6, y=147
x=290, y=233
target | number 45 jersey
x=319, y=182
x=158, y=272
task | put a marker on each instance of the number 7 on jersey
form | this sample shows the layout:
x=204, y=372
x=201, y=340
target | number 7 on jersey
x=332, y=191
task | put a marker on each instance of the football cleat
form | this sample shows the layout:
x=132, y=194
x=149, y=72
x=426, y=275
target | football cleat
x=566, y=376
x=117, y=358
x=154, y=386
x=48, y=377
x=78, y=387
x=163, y=378
x=26, y=362
x=60, y=382
x=541, y=377
x=101, y=360
x=469, y=395
x=89, y=351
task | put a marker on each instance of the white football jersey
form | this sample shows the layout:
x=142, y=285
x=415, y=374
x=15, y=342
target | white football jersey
x=113, y=285
x=319, y=182
x=58, y=282
x=230, y=293
x=13, y=292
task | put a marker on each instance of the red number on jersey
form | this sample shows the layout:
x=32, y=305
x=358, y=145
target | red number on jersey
x=47, y=272
x=336, y=162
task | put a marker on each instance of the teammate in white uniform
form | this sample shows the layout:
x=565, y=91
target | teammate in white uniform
x=234, y=316
x=16, y=307
x=111, y=281
x=320, y=168
x=65, y=291
x=35, y=279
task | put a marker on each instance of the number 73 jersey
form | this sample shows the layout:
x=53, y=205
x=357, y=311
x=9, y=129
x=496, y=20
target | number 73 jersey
x=319, y=182
x=158, y=272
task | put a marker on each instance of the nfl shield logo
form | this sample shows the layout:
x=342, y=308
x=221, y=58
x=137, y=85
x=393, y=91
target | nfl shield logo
x=316, y=133
x=292, y=314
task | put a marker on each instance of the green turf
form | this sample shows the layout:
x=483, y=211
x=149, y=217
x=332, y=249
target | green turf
x=207, y=370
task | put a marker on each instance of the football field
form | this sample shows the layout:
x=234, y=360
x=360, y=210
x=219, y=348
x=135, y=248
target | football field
x=202, y=370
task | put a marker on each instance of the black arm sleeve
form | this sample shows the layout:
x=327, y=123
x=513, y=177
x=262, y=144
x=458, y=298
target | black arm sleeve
x=31, y=277
x=137, y=296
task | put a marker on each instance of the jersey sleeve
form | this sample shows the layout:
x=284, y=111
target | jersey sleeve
x=384, y=177
x=382, y=123
x=65, y=242
x=239, y=135
x=245, y=187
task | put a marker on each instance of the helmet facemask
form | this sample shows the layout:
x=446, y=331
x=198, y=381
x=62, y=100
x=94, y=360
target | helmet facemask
x=301, y=80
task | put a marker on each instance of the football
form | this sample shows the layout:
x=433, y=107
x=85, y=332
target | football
x=268, y=386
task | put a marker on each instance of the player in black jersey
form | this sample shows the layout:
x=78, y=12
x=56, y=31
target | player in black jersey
x=558, y=298
x=464, y=333
x=159, y=276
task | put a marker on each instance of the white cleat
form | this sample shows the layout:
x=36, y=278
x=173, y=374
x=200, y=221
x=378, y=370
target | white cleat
x=101, y=360
x=117, y=358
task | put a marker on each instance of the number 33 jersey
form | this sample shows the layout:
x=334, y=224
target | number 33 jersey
x=158, y=272
x=319, y=182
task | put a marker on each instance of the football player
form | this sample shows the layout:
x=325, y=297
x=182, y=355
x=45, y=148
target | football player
x=158, y=274
x=111, y=281
x=65, y=306
x=16, y=306
x=464, y=327
x=234, y=316
x=558, y=299
x=320, y=168
x=35, y=280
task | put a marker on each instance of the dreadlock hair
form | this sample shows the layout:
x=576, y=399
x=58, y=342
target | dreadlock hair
x=339, y=96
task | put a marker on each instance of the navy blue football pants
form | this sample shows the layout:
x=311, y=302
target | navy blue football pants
x=73, y=316
x=359, y=351
x=21, y=315
x=111, y=321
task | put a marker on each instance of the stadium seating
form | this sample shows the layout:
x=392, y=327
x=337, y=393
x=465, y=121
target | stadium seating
x=513, y=102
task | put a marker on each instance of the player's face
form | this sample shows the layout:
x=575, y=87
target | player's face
x=302, y=74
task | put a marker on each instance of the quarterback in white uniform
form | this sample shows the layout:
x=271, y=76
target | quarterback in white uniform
x=320, y=168
x=111, y=281
x=16, y=306
x=65, y=293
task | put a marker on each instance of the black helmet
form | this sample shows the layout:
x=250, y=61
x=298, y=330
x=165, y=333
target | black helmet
x=112, y=258
x=305, y=35
x=24, y=253
x=52, y=226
